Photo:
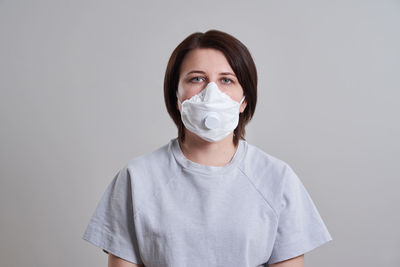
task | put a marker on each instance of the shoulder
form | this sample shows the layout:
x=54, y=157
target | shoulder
x=148, y=172
x=159, y=156
x=153, y=167
x=268, y=174
x=259, y=164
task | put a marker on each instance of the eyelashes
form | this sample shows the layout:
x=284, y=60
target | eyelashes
x=196, y=79
x=199, y=79
x=227, y=80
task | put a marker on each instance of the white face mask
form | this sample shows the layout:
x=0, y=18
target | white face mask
x=211, y=114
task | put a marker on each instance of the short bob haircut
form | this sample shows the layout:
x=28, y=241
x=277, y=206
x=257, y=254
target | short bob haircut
x=240, y=61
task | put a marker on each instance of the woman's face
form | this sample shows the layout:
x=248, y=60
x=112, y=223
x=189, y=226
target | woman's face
x=202, y=66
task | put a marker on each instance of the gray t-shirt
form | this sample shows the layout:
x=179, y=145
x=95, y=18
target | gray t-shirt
x=163, y=210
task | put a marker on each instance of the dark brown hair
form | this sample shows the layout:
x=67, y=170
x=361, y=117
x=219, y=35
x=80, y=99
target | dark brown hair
x=240, y=61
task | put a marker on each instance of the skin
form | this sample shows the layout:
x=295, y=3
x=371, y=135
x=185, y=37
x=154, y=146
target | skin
x=114, y=261
x=293, y=262
x=200, y=67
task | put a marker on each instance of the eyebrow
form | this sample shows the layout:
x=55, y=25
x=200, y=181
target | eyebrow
x=202, y=72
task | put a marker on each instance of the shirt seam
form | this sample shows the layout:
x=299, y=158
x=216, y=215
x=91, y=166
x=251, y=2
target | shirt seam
x=258, y=191
x=207, y=172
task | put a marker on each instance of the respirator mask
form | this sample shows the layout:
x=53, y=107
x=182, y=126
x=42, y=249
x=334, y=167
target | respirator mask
x=210, y=114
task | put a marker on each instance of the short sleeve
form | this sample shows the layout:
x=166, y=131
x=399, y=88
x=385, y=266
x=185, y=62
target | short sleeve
x=300, y=227
x=112, y=226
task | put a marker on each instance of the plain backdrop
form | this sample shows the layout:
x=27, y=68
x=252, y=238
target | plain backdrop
x=82, y=93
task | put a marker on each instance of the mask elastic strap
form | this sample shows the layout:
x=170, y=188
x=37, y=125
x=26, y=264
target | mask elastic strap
x=241, y=101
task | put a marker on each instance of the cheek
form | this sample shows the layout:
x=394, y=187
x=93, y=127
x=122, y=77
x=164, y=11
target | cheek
x=186, y=92
x=236, y=93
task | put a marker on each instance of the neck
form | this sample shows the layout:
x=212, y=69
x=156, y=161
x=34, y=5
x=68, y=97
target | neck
x=208, y=153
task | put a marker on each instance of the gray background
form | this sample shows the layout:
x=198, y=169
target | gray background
x=81, y=94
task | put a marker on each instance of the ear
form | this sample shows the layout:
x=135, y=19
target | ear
x=243, y=106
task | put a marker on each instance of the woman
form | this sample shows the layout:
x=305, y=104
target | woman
x=207, y=198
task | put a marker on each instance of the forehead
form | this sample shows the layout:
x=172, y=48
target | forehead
x=205, y=59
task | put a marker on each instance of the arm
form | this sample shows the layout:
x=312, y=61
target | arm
x=293, y=262
x=114, y=261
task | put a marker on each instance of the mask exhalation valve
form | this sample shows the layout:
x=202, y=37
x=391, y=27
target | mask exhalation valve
x=212, y=121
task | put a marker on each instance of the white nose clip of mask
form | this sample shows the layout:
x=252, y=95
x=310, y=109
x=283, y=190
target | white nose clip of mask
x=212, y=120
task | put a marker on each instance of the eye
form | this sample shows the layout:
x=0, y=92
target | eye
x=197, y=79
x=226, y=80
